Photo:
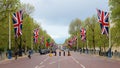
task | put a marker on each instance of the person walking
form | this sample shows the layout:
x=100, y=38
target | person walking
x=16, y=53
x=29, y=53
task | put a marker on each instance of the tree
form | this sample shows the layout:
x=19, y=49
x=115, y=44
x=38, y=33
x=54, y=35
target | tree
x=28, y=8
x=28, y=25
x=74, y=30
x=94, y=36
x=115, y=18
x=75, y=27
x=6, y=8
x=90, y=23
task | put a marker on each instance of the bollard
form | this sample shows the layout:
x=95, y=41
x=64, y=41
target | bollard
x=59, y=53
x=9, y=54
x=109, y=53
x=55, y=53
x=64, y=53
x=69, y=53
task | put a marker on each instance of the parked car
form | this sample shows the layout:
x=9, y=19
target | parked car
x=44, y=51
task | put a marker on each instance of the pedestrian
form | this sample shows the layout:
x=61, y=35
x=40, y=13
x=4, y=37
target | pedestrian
x=16, y=53
x=29, y=53
x=59, y=53
x=6, y=54
x=80, y=50
x=1, y=54
x=40, y=51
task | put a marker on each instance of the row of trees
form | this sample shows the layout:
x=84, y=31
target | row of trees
x=7, y=8
x=93, y=30
x=93, y=33
x=115, y=18
x=94, y=38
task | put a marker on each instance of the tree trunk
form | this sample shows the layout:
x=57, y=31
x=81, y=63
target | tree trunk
x=93, y=41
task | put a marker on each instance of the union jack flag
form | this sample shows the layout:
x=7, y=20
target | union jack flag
x=83, y=34
x=51, y=44
x=70, y=42
x=17, y=22
x=42, y=40
x=103, y=19
x=36, y=35
x=74, y=39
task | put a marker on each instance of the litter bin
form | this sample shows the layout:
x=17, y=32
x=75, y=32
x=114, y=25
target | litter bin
x=9, y=54
x=109, y=53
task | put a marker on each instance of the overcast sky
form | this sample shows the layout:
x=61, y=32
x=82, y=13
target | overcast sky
x=55, y=15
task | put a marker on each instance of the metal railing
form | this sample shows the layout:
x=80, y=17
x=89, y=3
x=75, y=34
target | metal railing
x=100, y=53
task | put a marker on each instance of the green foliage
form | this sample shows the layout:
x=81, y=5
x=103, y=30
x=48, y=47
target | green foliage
x=74, y=30
x=90, y=22
x=93, y=33
x=115, y=18
x=94, y=36
x=29, y=24
x=74, y=27
x=6, y=7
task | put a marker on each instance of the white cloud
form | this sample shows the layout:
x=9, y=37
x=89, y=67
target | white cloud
x=56, y=15
x=55, y=31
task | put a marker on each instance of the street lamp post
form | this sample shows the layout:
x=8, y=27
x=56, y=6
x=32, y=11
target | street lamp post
x=77, y=37
x=9, y=33
x=77, y=41
x=9, y=51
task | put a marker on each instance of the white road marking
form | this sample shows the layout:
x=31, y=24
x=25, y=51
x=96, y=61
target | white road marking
x=82, y=66
x=78, y=62
x=36, y=66
x=41, y=63
x=58, y=62
x=75, y=60
x=52, y=62
x=42, y=66
x=46, y=59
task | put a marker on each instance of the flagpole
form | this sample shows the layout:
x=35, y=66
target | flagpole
x=20, y=45
x=32, y=40
x=77, y=37
x=44, y=39
x=109, y=51
x=77, y=41
x=9, y=33
x=87, y=44
x=110, y=47
x=109, y=30
x=109, y=35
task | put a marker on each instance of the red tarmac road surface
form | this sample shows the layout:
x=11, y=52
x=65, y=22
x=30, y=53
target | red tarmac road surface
x=76, y=60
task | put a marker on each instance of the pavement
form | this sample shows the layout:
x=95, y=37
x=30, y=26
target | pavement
x=76, y=60
x=13, y=58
